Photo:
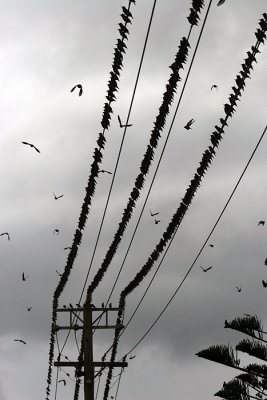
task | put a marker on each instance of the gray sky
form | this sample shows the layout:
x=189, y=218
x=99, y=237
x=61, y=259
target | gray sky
x=47, y=47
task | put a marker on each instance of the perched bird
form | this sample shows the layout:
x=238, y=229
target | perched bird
x=78, y=305
x=24, y=277
x=92, y=305
x=56, y=231
x=264, y=283
x=220, y=2
x=132, y=357
x=29, y=308
x=102, y=305
x=58, y=273
x=205, y=269
x=103, y=170
x=121, y=125
x=189, y=123
x=157, y=221
x=64, y=306
x=153, y=214
x=5, y=233
x=32, y=145
x=239, y=289
x=62, y=380
x=20, y=340
x=261, y=223
x=110, y=305
x=214, y=87
x=79, y=86
x=67, y=248
x=211, y=245
x=70, y=305
x=58, y=197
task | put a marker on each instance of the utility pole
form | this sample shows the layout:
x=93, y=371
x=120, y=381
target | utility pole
x=87, y=325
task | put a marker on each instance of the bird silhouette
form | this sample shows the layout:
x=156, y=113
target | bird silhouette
x=62, y=380
x=58, y=273
x=78, y=305
x=189, y=123
x=157, y=221
x=32, y=145
x=153, y=214
x=110, y=305
x=29, y=308
x=20, y=340
x=123, y=126
x=103, y=170
x=102, y=305
x=79, y=86
x=205, y=269
x=132, y=357
x=58, y=197
x=265, y=262
x=220, y=2
x=211, y=245
x=127, y=12
x=264, y=283
x=56, y=231
x=70, y=305
x=5, y=233
x=64, y=306
x=261, y=223
x=239, y=289
x=24, y=277
x=67, y=248
x=214, y=87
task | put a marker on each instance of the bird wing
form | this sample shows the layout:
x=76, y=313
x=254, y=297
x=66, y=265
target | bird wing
x=208, y=268
x=73, y=88
x=119, y=121
x=36, y=149
x=23, y=276
x=220, y=2
x=26, y=143
x=81, y=91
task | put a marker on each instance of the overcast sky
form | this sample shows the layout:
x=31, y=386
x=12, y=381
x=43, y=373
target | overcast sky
x=47, y=47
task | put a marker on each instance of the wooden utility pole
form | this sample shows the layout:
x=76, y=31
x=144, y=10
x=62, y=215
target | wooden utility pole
x=87, y=325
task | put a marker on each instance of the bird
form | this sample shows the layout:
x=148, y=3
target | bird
x=79, y=86
x=102, y=305
x=211, y=245
x=123, y=126
x=265, y=262
x=5, y=233
x=132, y=357
x=103, y=170
x=261, y=223
x=58, y=273
x=32, y=145
x=264, y=283
x=64, y=306
x=58, y=197
x=205, y=269
x=247, y=315
x=214, y=87
x=20, y=340
x=157, y=221
x=110, y=305
x=29, y=308
x=70, y=305
x=78, y=305
x=239, y=289
x=63, y=380
x=24, y=277
x=220, y=2
x=67, y=248
x=153, y=214
x=189, y=123
x=56, y=231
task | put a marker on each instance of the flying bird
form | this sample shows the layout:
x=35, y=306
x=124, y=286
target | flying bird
x=259, y=223
x=29, y=308
x=58, y=197
x=63, y=380
x=20, y=340
x=32, y=145
x=24, y=277
x=67, y=248
x=239, y=289
x=131, y=357
x=121, y=125
x=220, y=2
x=211, y=245
x=59, y=274
x=264, y=283
x=214, y=87
x=189, y=123
x=79, y=86
x=103, y=170
x=56, y=231
x=153, y=214
x=205, y=269
x=5, y=233
x=157, y=221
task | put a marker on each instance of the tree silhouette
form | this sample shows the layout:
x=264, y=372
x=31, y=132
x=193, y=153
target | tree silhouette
x=252, y=382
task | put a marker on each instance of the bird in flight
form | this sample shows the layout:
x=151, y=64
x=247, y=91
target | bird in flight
x=211, y=245
x=59, y=274
x=261, y=223
x=29, y=308
x=132, y=357
x=121, y=125
x=56, y=231
x=5, y=233
x=24, y=277
x=189, y=123
x=79, y=86
x=157, y=221
x=153, y=214
x=20, y=340
x=63, y=380
x=220, y=2
x=205, y=269
x=214, y=87
x=32, y=145
x=239, y=289
x=57, y=197
x=108, y=172
x=264, y=283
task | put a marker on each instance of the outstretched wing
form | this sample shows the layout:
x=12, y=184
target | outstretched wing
x=36, y=149
x=220, y=2
x=26, y=143
x=73, y=88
